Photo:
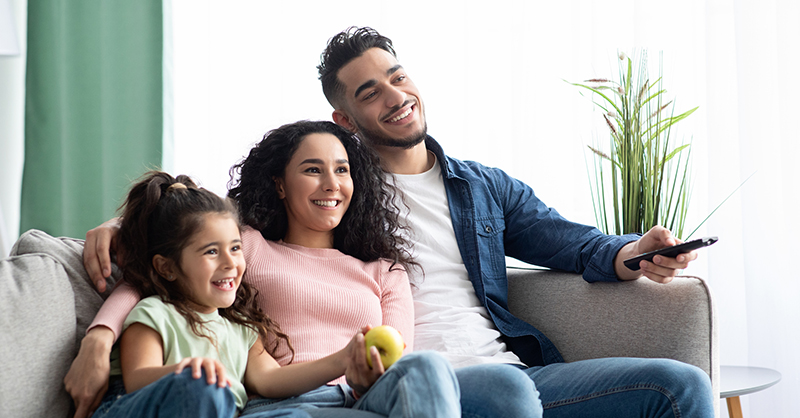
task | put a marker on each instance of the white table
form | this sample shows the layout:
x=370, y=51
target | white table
x=736, y=381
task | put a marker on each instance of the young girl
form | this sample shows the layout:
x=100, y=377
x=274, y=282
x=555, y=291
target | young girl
x=325, y=246
x=183, y=255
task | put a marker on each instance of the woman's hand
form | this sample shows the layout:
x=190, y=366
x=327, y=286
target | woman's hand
x=87, y=379
x=215, y=371
x=360, y=377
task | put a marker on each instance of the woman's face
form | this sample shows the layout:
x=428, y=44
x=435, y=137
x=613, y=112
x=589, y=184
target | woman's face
x=316, y=189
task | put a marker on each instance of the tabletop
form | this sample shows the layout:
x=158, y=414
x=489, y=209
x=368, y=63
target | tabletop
x=741, y=380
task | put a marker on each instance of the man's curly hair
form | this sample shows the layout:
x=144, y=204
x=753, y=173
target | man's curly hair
x=370, y=229
x=342, y=48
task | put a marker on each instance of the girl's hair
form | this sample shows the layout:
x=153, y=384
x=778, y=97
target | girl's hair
x=369, y=230
x=160, y=216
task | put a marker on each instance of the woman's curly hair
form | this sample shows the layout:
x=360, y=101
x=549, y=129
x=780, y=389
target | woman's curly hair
x=371, y=227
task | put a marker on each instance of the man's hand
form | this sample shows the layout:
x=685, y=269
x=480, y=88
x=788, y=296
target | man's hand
x=360, y=377
x=87, y=379
x=100, y=242
x=661, y=269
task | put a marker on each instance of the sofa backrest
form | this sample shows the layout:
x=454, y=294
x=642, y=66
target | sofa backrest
x=46, y=303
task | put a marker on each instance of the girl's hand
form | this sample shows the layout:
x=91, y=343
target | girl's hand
x=215, y=371
x=359, y=375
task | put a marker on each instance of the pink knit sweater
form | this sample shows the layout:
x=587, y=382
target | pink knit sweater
x=320, y=297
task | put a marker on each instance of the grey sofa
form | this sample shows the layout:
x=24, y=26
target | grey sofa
x=47, y=301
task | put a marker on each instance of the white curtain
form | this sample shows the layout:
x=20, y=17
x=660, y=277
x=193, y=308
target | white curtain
x=12, y=122
x=492, y=75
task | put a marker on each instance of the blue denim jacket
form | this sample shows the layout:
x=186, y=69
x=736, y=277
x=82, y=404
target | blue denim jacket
x=495, y=215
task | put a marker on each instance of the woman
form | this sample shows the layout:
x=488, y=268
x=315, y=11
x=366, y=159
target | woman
x=324, y=237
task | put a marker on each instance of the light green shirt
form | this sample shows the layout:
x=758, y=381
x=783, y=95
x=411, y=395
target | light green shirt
x=233, y=341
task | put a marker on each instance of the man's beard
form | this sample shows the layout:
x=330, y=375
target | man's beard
x=376, y=139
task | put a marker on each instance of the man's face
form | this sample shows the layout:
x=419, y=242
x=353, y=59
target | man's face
x=380, y=101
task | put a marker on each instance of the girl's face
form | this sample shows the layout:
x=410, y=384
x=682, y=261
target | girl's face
x=212, y=263
x=316, y=189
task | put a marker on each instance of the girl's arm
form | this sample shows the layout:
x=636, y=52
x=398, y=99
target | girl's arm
x=267, y=378
x=141, y=359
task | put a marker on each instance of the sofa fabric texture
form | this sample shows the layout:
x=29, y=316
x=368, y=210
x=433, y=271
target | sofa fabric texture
x=47, y=301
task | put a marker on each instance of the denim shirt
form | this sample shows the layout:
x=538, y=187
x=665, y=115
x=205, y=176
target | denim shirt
x=495, y=215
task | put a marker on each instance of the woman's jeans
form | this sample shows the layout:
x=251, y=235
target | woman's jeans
x=176, y=396
x=610, y=387
x=420, y=384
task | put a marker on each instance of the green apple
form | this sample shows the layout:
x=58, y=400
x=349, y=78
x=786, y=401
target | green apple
x=389, y=343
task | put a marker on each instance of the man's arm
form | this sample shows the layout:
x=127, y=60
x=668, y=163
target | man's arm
x=537, y=234
x=662, y=269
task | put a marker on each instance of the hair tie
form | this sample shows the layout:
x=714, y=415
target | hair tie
x=176, y=186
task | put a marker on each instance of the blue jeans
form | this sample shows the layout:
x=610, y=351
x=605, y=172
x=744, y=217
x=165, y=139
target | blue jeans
x=610, y=387
x=176, y=396
x=420, y=384
x=497, y=390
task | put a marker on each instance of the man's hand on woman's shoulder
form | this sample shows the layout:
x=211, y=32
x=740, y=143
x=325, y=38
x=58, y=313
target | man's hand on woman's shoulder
x=100, y=242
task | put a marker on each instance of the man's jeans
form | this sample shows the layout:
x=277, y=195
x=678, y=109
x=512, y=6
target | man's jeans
x=176, y=396
x=611, y=387
x=420, y=384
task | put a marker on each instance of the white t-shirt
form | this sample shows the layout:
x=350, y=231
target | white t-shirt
x=449, y=318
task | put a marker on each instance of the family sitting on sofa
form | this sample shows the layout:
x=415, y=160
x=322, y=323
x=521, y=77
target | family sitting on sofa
x=345, y=226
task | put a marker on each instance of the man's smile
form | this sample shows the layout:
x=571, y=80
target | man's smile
x=402, y=115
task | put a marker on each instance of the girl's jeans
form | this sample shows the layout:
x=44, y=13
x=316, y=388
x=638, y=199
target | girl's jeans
x=176, y=396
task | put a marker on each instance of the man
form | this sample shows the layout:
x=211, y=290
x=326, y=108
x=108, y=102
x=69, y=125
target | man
x=465, y=218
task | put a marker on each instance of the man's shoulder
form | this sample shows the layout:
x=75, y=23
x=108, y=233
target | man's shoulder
x=468, y=166
x=471, y=170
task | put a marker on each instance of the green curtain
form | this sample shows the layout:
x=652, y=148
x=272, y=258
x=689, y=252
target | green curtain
x=93, y=111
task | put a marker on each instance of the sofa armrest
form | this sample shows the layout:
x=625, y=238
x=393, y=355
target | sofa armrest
x=639, y=318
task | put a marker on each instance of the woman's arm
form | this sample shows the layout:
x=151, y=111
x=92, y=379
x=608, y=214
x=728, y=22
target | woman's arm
x=141, y=359
x=397, y=307
x=116, y=308
x=87, y=378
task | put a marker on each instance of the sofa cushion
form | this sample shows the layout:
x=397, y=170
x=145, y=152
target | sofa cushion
x=46, y=303
x=37, y=336
x=69, y=253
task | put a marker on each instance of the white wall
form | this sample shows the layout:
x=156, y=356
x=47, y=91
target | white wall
x=12, y=132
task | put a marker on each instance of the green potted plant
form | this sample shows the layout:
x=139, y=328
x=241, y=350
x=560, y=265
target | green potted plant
x=644, y=178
